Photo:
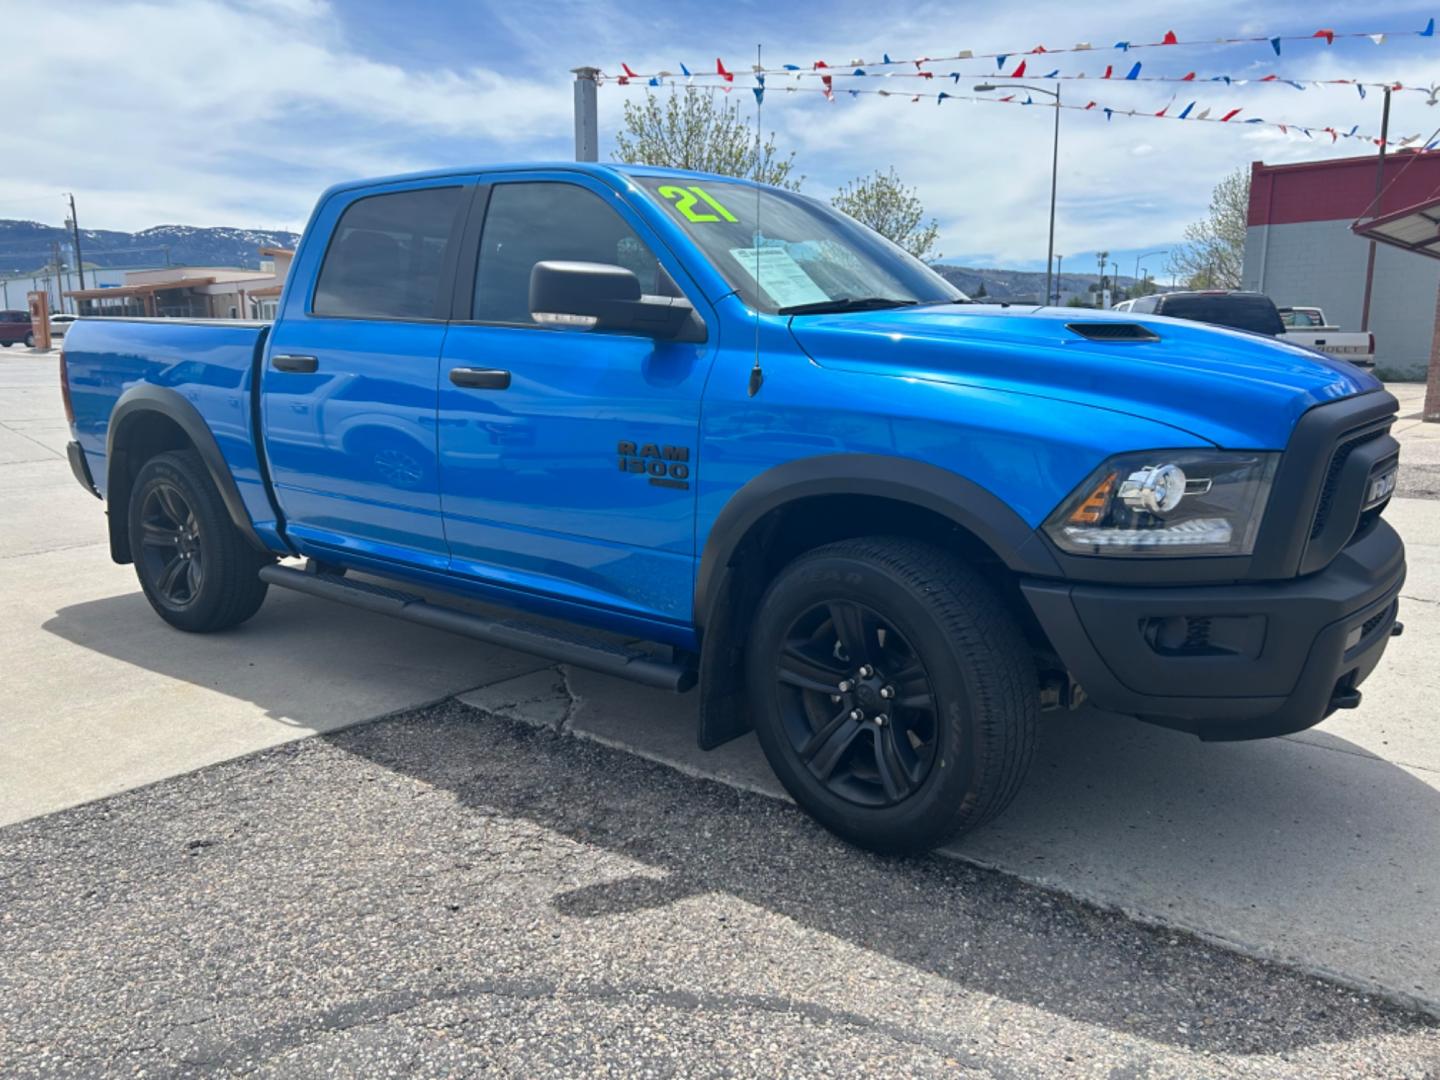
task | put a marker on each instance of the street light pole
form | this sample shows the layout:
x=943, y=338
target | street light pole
x=1141, y=258
x=985, y=88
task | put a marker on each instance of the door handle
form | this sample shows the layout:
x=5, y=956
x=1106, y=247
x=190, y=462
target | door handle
x=288, y=362
x=480, y=378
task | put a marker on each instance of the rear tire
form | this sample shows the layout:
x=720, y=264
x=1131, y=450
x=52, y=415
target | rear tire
x=30, y=340
x=196, y=569
x=894, y=694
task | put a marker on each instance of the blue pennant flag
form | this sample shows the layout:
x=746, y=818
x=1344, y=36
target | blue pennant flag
x=1351, y=133
x=760, y=78
x=942, y=97
x=791, y=67
x=887, y=58
x=1000, y=60
x=1134, y=72
x=854, y=93
x=1429, y=30
x=1123, y=46
x=685, y=70
x=1275, y=44
x=653, y=81
x=1254, y=120
x=859, y=71
x=1109, y=115
x=759, y=94
x=1053, y=74
x=1028, y=100
x=1361, y=88
x=955, y=77
x=1186, y=111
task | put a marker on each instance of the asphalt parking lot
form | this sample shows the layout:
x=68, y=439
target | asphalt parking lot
x=477, y=883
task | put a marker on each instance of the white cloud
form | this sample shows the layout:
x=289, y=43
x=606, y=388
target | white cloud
x=206, y=111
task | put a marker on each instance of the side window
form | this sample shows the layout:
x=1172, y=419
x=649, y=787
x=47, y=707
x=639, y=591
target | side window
x=386, y=255
x=527, y=223
x=1145, y=304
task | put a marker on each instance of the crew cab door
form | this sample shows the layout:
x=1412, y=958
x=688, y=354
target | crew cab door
x=568, y=458
x=348, y=390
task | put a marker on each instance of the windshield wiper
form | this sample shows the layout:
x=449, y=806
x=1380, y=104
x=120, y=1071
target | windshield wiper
x=848, y=303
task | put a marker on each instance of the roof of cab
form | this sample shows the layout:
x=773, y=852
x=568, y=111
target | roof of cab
x=590, y=168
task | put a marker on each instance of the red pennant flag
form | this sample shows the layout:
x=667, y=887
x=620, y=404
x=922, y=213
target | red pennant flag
x=1163, y=111
x=1189, y=78
x=927, y=74
x=1090, y=106
x=1270, y=78
x=1008, y=97
x=825, y=80
x=728, y=76
x=1334, y=135
x=1230, y=115
x=626, y=69
x=1019, y=71
x=1170, y=38
x=1328, y=35
x=1109, y=70
x=1038, y=49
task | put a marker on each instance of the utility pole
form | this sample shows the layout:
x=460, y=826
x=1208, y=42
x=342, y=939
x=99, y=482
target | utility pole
x=59, y=279
x=1101, y=256
x=587, y=124
x=75, y=232
x=1376, y=208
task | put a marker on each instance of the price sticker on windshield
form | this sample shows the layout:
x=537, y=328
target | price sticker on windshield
x=686, y=199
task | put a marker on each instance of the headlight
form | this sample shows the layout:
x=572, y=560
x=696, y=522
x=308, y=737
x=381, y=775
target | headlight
x=1167, y=502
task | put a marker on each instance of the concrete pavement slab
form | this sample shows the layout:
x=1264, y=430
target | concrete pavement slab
x=101, y=696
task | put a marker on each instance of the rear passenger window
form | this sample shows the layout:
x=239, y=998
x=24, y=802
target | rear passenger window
x=528, y=223
x=387, y=254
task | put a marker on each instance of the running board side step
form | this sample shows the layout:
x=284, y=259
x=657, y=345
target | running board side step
x=524, y=637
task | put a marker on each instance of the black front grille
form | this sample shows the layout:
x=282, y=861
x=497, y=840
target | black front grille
x=1332, y=475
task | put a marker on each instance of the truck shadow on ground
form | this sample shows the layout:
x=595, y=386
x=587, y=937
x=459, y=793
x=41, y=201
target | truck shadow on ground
x=1109, y=802
x=979, y=930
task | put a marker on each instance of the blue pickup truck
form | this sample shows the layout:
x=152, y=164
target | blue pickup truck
x=699, y=432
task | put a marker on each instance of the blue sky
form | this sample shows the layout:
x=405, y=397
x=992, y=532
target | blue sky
x=224, y=112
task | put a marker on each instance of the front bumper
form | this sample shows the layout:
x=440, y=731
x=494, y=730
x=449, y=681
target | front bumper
x=1232, y=661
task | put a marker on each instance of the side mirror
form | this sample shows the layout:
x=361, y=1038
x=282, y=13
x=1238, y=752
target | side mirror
x=596, y=296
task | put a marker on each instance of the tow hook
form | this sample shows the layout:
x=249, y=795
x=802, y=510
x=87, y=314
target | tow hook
x=1397, y=628
x=1345, y=697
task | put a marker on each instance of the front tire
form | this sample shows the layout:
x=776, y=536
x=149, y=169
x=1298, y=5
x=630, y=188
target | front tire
x=893, y=693
x=30, y=341
x=195, y=567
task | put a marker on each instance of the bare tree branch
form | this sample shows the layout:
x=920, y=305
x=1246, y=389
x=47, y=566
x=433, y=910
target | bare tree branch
x=1214, y=251
x=691, y=130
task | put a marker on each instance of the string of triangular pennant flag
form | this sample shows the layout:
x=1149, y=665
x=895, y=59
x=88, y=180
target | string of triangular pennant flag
x=1192, y=112
x=1170, y=39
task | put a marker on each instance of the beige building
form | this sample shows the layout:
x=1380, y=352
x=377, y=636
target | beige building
x=202, y=292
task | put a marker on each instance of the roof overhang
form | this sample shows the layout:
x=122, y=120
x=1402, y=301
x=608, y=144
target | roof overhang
x=143, y=289
x=1416, y=228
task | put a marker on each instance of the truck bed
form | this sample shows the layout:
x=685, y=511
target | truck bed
x=210, y=363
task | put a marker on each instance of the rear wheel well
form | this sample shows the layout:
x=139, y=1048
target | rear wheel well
x=787, y=532
x=141, y=436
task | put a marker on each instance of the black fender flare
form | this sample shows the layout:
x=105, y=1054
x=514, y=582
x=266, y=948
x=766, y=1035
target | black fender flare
x=145, y=398
x=722, y=597
x=919, y=483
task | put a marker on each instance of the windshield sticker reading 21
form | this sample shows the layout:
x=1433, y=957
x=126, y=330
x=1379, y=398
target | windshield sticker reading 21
x=686, y=198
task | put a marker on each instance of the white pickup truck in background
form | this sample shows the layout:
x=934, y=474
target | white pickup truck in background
x=1308, y=326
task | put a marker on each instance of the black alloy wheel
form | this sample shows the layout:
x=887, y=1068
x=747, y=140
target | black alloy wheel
x=857, y=704
x=170, y=545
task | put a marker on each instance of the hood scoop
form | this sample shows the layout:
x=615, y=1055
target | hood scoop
x=1113, y=331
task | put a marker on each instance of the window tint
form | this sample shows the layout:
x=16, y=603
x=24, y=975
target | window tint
x=530, y=223
x=386, y=256
x=1254, y=313
x=1144, y=305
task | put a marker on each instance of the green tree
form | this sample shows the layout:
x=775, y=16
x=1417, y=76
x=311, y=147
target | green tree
x=692, y=130
x=893, y=210
x=1213, y=254
x=981, y=293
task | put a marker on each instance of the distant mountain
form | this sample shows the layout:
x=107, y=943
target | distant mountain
x=26, y=245
x=1019, y=286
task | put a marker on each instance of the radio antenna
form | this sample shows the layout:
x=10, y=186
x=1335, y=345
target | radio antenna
x=757, y=375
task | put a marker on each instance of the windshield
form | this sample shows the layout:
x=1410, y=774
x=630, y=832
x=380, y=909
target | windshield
x=788, y=254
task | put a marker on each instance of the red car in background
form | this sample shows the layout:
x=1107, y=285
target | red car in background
x=15, y=328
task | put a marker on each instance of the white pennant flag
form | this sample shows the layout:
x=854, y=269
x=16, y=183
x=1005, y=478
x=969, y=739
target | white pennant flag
x=1379, y=39
x=1204, y=115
